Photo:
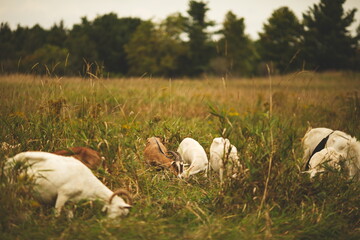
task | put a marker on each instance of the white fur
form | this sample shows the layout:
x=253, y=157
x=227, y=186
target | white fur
x=328, y=156
x=193, y=154
x=60, y=179
x=219, y=150
x=340, y=143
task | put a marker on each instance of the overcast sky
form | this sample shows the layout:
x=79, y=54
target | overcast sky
x=48, y=12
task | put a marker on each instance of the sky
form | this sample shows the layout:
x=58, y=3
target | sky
x=48, y=12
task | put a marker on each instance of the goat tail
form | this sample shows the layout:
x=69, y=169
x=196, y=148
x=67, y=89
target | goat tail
x=33, y=156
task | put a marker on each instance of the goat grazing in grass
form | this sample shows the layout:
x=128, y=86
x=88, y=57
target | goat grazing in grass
x=327, y=157
x=156, y=154
x=223, y=154
x=60, y=179
x=340, y=145
x=91, y=158
x=193, y=154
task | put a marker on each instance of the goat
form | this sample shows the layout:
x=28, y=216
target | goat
x=328, y=156
x=223, y=153
x=60, y=179
x=316, y=139
x=193, y=154
x=91, y=158
x=156, y=154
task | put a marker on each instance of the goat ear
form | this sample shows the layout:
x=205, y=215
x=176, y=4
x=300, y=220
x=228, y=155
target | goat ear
x=105, y=207
x=126, y=206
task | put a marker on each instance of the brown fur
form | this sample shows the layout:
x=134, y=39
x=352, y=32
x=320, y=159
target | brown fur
x=91, y=158
x=154, y=157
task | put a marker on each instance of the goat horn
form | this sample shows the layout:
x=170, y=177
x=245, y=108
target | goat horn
x=179, y=156
x=172, y=153
x=176, y=155
x=124, y=192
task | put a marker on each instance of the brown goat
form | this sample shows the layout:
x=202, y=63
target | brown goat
x=156, y=154
x=91, y=158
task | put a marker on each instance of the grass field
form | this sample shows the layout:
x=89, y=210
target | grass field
x=270, y=198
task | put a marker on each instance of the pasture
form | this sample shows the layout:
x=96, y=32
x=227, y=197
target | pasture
x=265, y=118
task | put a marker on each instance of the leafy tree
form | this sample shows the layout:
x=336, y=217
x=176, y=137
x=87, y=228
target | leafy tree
x=81, y=47
x=152, y=51
x=355, y=62
x=199, y=47
x=327, y=42
x=174, y=29
x=142, y=50
x=48, y=59
x=236, y=47
x=279, y=42
x=7, y=47
x=174, y=26
x=19, y=44
x=100, y=43
x=110, y=34
x=57, y=35
x=21, y=36
x=35, y=38
x=26, y=40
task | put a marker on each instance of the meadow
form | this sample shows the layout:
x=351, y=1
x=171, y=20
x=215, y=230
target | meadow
x=265, y=118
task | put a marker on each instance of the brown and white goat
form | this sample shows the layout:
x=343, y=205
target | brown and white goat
x=156, y=154
x=91, y=158
x=64, y=179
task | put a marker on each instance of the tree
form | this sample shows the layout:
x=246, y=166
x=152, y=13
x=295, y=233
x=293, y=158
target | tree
x=279, y=42
x=35, y=38
x=57, y=35
x=25, y=41
x=327, y=42
x=110, y=34
x=20, y=37
x=174, y=26
x=100, y=43
x=81, y=47
x=236, y=47
x=174, y=30
x=199, y=47
x=152, y=51
x=48, y=59
x=7, y=47
x=355, y=62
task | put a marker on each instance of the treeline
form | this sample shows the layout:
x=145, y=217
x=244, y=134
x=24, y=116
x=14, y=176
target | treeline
x=183, y=46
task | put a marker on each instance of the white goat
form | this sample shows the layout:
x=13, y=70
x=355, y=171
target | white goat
x=317, y=139
x=222, y=151
x=60, y=179
x=327, y=156
x=193, y=154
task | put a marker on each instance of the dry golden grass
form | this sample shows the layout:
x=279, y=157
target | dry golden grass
x=146, y=98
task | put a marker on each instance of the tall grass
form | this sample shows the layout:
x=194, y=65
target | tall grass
x=115, y=116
